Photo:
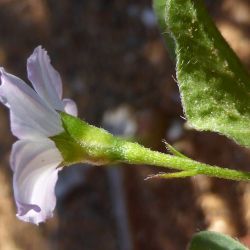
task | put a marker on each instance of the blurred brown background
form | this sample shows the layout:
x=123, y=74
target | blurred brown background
x=114, y=64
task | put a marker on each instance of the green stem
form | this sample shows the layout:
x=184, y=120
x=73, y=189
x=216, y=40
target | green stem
x=81, y=142
x=134, y=153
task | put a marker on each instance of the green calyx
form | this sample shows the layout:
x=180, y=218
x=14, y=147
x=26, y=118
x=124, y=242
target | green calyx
x=81, y=142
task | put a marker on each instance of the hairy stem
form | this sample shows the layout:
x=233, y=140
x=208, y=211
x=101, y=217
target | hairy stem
x=134, y=153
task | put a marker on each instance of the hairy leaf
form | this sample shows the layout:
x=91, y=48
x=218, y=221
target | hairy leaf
x=214, y=86
x=207, y=240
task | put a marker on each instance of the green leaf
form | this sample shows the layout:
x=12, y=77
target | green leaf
x=207, y=240
x=214, y=86
x=181, y=174
x=173, y=151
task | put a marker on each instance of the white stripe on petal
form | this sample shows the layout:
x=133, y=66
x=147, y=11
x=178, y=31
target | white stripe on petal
x=30, y=115
x=70, y=107
x=44, y=78
x=35, y=165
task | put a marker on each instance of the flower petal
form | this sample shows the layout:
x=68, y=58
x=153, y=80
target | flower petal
x=44, y=78
x=30, y=116
x=70, y=107
x=35, y=165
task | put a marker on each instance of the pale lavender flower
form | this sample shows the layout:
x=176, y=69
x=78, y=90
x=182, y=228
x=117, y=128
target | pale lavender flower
x=35, y=159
